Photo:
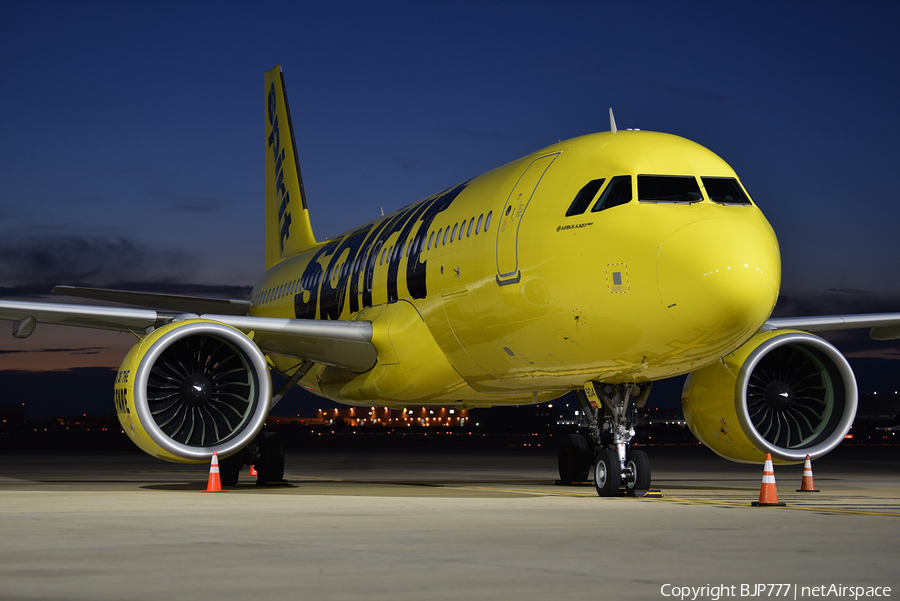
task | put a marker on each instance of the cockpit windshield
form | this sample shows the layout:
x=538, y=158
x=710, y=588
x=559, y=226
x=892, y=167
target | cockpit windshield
x=668, y=189
x=584, y=198
x=618, y=192
x=725, y=190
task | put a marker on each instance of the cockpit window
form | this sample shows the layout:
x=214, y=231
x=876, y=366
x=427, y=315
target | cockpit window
x=725, y=190
x=668, y=188
x=618, y=192
x=584, y=197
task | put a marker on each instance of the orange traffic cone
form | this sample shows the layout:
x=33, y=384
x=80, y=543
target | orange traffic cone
x=215, y=480
x=806, y=485
x=253, y=471
x=768, y=495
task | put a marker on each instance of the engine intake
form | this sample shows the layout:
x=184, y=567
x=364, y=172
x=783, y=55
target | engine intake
x=192, y=388
x=787, y=393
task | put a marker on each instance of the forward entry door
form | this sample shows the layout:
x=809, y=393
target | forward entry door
x=511, y=220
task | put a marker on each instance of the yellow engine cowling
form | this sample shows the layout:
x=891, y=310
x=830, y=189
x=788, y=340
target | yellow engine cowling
x=783, y=392
x=191, y=388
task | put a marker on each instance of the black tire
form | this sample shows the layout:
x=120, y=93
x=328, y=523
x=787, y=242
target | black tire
x=574, y=459
x=230, y=470
x=607, y=473
x=270, y=468
x=639, y=480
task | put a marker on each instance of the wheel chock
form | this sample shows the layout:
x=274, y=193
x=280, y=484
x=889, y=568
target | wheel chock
x=273, y=483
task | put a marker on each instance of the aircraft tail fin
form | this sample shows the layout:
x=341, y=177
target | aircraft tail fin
x=288, y=227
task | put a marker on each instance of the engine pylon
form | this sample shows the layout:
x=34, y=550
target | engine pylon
x=807, y=485
x=768, y=495
x=215, y=478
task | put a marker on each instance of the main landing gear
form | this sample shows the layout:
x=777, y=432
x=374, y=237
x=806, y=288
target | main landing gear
x=266, y=452
x=605, y=448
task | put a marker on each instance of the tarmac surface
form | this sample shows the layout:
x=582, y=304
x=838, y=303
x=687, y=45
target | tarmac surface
x=441, y=523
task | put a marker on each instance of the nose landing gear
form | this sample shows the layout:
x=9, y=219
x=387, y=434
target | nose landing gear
x=607, y=444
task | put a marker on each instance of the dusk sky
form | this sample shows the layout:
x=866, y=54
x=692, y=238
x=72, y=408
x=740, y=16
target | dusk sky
x=132, y=133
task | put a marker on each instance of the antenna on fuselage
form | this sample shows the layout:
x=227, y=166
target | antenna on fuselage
x=612, y=121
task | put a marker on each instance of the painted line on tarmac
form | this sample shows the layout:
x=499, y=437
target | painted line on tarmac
x=821, y=509
x=528, y=491
x=545, y=493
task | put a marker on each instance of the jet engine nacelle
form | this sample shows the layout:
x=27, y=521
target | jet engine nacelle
x=191, y=388
x=783, y=392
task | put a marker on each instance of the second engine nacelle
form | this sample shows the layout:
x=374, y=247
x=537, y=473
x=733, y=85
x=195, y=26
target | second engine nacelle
x=783, y=392
x=191, y=388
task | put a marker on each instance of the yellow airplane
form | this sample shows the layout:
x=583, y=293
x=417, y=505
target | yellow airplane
x=598, y=265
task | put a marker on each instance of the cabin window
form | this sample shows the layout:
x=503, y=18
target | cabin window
x=725, y=190
x=584, y=197
x=487, y=221
x=446, y=233
x=676, y=189
x=471, y=223
x=453, y=235
x=430, y=239
x=438, y=239
x=618, y=192
x=478, y=227
x=461, y=228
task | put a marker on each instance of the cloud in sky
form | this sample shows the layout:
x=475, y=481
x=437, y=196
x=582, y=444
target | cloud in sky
x=87, y=350
x=835, y=301
x=96, y=261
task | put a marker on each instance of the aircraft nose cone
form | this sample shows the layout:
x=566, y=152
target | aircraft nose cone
x=720, y=276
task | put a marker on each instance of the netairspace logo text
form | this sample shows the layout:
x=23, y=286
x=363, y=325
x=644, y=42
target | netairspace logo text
x=786, y=591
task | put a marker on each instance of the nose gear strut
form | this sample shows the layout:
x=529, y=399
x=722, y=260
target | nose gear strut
x=610, y=412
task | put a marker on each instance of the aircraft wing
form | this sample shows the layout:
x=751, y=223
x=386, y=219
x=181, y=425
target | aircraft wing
x=171, y=302
x=882, y=326
x=345, y=344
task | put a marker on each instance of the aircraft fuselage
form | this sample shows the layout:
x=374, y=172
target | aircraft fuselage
x=525, y=302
